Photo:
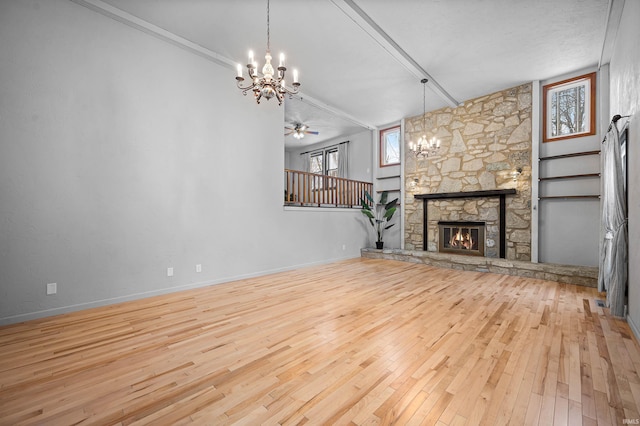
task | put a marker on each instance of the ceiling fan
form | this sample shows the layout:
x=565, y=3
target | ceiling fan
x=299, y=130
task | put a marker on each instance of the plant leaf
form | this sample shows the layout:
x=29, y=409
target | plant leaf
x=366, y=194
x=387, y=227
x=390, y=213
x=390, y=204
x=367, y=213
x=365, y=206
x=383, y=197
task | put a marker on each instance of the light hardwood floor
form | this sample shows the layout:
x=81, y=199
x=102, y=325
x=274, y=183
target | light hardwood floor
x=356, y=342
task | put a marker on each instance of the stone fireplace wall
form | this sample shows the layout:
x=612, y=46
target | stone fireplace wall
x=483, y=142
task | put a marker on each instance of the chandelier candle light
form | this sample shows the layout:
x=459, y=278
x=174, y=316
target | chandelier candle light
x=271, y=83
x=425, y=147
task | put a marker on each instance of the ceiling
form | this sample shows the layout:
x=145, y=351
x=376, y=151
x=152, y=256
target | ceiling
x=361, y=61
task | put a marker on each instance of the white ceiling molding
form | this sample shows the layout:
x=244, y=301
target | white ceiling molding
x=331, y=110
x=368, y=25
x=611, y=30
x=144, y=26
x=169, y=37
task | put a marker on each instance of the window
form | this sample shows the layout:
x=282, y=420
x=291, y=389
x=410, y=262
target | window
x=323, y=162
x=317, y=163
x=569, y=108
x=390, y=146
x=332, y=163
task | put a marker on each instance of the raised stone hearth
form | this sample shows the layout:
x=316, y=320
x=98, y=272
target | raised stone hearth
x=580, y=275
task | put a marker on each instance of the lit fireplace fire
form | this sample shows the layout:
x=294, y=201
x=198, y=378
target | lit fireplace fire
x=461, y=237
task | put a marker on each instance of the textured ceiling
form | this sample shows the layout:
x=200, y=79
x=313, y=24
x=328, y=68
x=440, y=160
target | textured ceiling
x=470, y=48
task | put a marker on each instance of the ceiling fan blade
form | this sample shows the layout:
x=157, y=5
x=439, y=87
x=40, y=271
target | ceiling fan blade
x=311, y=133
x=289, y=128
x=288, y=133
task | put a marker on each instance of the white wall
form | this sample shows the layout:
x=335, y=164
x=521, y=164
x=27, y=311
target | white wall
x=122, y=155
x=625, y=100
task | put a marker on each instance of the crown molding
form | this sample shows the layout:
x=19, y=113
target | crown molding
x=181, y=42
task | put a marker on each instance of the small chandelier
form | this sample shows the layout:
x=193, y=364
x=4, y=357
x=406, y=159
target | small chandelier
x=271, y=83
x=425, y=147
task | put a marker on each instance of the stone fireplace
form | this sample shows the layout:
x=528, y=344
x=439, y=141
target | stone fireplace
x=461, y=238
x=494, y=227
x=472, y=178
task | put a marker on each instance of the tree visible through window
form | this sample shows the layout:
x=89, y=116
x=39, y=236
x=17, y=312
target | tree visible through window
x=390, y=146
x=323, y=162
x=569, y=108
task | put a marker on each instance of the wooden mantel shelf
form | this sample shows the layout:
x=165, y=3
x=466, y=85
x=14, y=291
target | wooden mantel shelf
x=502, y=193
x=470, y=194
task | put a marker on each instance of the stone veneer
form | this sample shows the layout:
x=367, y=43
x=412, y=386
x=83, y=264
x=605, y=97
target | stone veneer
x=483, y=142
x=580, y=275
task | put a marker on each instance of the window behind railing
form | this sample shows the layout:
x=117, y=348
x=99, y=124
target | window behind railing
x=319, y=190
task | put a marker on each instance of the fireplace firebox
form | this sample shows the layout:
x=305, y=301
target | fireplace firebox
x=461, y=238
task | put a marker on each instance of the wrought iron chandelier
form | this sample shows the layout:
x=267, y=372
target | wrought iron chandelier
x=271, y=83
x=425, y=147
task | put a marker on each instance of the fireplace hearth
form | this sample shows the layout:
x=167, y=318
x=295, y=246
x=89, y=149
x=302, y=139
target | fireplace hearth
x=461, y=238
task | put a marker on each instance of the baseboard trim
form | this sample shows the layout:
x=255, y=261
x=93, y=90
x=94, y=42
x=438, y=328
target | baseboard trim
x=634, y=328
x=13, y=319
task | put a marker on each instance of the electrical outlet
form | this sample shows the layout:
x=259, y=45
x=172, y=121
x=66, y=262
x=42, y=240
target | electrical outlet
x=169, y=272
x=198, y=268
x=52, y=288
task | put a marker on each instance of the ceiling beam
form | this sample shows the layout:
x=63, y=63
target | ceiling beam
x=153, y=30
x=169, y=37
x=368, y=25
x=332, y=110
x=612, y=22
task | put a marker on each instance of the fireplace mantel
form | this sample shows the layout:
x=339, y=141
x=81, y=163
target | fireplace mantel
x=502, y=193
x=469, y=194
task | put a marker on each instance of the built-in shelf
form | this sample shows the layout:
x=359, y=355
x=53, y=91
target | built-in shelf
x=388, y=177
x=586, y=175
x=567, y=197
x=573, y=154
x=387, y=190
x=576, y=176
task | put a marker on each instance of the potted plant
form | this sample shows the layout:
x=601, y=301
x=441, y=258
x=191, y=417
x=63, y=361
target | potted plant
x=379, y=214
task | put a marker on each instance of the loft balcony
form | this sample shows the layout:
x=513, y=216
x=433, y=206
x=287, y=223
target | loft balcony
x=314, y=190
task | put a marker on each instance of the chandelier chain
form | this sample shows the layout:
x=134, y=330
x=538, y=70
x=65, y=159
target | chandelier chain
x=424, y=106
x=268, y=30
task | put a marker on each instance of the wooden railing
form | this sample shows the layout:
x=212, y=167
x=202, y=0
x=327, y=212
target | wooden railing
x=309, y=189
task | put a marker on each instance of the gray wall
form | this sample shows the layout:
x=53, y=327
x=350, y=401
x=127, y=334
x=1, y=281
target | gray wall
x=122, y=155
x=625, y=100
x=568, y=229
x=360, y=153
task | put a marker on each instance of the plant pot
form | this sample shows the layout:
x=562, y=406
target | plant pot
x=379, y=245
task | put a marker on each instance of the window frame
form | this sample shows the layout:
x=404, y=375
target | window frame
x=383, y=151
x=324, y=153
x=590, y=106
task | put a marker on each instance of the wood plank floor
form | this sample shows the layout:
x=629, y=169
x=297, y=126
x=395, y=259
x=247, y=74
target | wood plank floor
x=356, y=342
